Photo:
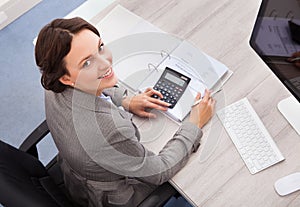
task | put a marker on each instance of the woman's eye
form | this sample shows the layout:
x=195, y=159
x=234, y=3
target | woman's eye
x=87, y=63
x=101, y=47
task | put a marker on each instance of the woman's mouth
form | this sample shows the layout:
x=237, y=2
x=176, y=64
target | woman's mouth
x=108, y=74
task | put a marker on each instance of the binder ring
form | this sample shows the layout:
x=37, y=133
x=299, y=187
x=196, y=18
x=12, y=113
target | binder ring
x=290, y=13
x=164, y=53
x=152, y=67
x=273, y=13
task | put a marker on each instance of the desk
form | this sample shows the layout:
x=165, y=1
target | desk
x=222, y=29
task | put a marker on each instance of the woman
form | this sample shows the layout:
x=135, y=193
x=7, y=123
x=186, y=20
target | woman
x=100, y=155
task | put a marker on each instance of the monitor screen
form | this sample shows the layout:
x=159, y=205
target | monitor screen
x=276, y=39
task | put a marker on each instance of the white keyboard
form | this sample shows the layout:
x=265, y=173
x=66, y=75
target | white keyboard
x=249, y=135
x=296, y=82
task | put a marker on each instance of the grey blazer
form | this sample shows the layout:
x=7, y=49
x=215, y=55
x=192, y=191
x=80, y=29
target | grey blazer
x=102, y=160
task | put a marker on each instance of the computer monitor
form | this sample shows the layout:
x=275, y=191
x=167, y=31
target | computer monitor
x=276, y=39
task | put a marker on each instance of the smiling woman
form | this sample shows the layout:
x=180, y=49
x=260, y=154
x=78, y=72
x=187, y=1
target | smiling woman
x=89, y=62
x=55, y=42
x=84, y=66
x=100, y=155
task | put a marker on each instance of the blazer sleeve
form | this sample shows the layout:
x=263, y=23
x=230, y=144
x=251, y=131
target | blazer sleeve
x=176, y=153
x=146, y=166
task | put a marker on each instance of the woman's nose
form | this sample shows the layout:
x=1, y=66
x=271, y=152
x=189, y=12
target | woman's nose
x=103, y=62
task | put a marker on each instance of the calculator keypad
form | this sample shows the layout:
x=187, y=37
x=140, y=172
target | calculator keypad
x=171, y=92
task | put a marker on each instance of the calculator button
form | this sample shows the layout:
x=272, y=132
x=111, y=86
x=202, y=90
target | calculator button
x=171, y=92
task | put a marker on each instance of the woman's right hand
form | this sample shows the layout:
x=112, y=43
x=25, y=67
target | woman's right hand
x=202, y=112
x=293, y=58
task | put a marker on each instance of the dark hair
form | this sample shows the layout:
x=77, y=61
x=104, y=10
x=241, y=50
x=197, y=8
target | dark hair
x=53, y=44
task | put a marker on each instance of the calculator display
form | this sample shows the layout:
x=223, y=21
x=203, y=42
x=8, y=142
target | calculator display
x=174, y=79
x=171, y=85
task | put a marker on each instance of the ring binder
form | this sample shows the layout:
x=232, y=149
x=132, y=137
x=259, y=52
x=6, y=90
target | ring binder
x=288, y=14
x=162, y=52
x=165, y=55
x=272, y=12
x=153, y=67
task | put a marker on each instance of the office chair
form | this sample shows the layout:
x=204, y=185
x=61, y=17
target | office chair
x=25, y=181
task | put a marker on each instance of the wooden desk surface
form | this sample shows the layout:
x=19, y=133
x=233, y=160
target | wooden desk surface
x=216, y=175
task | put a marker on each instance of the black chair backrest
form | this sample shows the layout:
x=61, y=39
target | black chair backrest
x=24, y=181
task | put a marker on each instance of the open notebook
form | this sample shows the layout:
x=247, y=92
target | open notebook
x=148, y=54
x=142, y=51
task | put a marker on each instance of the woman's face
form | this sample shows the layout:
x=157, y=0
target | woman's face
x=89, y=63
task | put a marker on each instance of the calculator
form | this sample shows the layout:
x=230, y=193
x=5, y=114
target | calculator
x=171, y=85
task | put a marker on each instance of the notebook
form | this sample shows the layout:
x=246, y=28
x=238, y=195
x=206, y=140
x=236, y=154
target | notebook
x=141, y=67
x=141, y=52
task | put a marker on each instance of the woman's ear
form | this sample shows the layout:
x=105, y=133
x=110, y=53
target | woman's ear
x=65, y=79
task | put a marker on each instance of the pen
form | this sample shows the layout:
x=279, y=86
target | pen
x=295, y=59
x=212, y=93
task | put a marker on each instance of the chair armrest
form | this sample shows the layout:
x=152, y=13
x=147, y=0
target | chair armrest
x=159, y=196
x=29, y=144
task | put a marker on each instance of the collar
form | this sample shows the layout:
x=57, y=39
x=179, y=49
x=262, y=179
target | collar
x=78, y=98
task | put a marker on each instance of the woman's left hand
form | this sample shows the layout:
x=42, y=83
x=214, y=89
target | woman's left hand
x=139, y=104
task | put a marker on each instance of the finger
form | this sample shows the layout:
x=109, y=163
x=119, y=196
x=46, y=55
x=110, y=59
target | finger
x=157, y=93
x=147, y=114
x=198, y=96
x=206, y=95
x=296, y=54
x=211, y=100
x=212, y=103
x=159, y=102
x=148, y=89
x=292, y=58
x=151, y=91
x=163, y=106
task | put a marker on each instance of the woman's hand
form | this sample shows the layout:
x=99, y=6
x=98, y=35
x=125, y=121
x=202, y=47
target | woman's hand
x=295, y=58
x=202, y=112
x=140, y=103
